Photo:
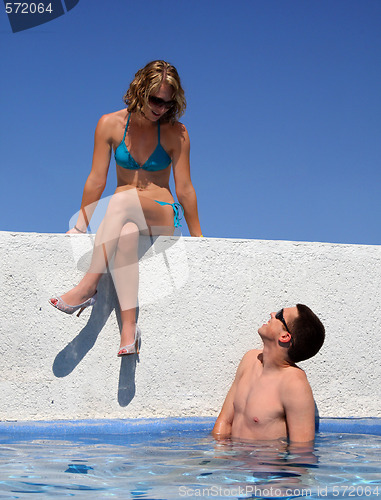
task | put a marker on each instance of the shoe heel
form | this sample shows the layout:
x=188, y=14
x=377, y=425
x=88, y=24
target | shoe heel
x=79, y=312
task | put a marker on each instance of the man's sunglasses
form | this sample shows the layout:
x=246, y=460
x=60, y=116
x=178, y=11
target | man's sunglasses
x=279, y=315
x=157, y=101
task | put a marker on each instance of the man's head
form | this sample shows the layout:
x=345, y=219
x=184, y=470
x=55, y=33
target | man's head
x=298, y=329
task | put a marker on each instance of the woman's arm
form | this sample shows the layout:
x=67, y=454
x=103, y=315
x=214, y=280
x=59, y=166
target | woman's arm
x=185, y=191
x=96, y=181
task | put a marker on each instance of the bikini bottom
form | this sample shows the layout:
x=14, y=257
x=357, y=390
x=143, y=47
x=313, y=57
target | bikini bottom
x=177, y=211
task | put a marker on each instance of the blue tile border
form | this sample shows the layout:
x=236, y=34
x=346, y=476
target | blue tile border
x=61, y=428
x=351, y=425
x=106, y=426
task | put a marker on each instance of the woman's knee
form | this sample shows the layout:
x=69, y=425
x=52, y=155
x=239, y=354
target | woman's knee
x=124, y=206
x=129, y=238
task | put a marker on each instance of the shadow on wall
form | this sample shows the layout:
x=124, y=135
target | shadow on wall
x=317, y=417
x=68, y=359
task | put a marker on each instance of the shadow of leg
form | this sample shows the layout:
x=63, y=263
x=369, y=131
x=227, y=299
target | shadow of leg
x=127, y=387
x=76, y=350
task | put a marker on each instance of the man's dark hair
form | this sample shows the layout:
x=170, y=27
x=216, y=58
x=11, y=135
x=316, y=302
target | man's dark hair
x=308, y=335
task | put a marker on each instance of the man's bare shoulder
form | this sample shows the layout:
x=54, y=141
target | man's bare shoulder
x=296, y=372
x=251, y=357
x=295, y=375
x=295, y=383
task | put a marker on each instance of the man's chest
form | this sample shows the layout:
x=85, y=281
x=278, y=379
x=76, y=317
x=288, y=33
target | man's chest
x=258, y=398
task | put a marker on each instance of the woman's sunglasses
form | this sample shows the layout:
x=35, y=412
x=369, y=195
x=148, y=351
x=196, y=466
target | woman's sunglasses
x=157, y=101
x=279, y=315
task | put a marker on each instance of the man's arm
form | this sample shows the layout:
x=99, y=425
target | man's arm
x=223, y=426
x=299, y=406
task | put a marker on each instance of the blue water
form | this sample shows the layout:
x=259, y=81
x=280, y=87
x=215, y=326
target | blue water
x=174, y=459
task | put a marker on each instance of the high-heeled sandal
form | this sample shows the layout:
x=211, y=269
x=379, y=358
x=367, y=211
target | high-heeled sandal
x=131, y=348
x=59, y=304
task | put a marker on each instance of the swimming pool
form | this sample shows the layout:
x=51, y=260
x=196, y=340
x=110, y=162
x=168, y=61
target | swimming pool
x=178, y=458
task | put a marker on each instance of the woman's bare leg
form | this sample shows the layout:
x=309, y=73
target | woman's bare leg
x=123, y=206
x=127, y=216
x=125, y=269
x=125, y=273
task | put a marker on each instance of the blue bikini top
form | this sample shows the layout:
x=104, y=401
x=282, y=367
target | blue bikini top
x=159, y=159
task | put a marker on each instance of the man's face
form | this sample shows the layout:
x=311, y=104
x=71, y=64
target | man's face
x=274, y=327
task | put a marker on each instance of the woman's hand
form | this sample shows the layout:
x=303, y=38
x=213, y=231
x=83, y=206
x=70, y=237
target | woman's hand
x=75, y=230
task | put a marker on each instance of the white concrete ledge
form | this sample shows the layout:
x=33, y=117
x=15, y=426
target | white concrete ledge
x=201, y=302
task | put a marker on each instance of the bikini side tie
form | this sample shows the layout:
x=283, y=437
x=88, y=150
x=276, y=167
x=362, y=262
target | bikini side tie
x=177, y=209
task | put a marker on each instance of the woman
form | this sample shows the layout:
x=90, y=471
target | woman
x=146, y=139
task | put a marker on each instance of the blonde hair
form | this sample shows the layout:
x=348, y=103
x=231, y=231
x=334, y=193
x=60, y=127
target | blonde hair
x=147, y=81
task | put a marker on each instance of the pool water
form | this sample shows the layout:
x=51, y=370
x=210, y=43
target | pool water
x=173, y=463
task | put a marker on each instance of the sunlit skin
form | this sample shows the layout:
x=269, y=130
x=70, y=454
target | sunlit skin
x=270, y=397
x=141, y=140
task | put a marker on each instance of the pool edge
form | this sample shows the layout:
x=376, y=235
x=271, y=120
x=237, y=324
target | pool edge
x=370, y=425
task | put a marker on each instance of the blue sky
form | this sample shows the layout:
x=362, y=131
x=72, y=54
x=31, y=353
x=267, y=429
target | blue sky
x=284, y=111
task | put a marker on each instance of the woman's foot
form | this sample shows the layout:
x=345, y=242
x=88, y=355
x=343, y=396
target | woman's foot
x=132, y=342
x=61, y=305
x=127, y=335
x=78, y=295
x=132, y=347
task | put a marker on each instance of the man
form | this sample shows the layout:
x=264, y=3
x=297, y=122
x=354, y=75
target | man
x=270, y=397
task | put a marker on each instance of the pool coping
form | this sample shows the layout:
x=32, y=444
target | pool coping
x=371, y=425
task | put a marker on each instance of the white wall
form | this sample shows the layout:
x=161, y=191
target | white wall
x=201, y=302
